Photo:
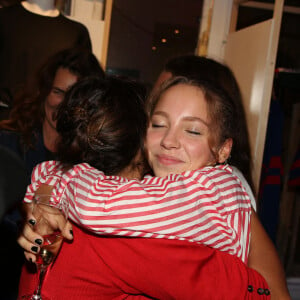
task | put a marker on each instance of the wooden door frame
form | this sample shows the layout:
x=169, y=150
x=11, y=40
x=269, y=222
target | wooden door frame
x=216, y=47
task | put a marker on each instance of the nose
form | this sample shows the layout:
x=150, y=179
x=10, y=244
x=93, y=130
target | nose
x=170, y=140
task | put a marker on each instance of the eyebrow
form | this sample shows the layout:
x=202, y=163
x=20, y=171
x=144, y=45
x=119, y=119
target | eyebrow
x=59, y=89
x=188, y=118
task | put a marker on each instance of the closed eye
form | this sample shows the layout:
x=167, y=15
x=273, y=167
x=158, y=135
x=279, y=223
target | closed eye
x=157, y=125
x=193, y=132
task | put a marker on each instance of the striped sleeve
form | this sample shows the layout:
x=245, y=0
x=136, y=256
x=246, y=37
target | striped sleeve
x=207, y=206
x=48, y=172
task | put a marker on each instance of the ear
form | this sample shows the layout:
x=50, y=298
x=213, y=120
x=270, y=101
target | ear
x=224, y=151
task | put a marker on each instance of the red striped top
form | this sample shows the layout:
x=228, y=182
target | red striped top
x=208, y=206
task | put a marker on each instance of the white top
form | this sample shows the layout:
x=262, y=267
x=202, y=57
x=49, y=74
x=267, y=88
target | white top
x=245, y=184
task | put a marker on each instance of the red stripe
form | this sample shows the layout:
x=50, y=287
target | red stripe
x=296, y=164
x=294, y=182
x=275, y=162
x=207, y=220
x=272, y=180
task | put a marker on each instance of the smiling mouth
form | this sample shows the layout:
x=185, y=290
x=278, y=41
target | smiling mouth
x=168, y=160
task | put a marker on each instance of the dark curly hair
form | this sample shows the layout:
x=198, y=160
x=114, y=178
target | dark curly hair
x=28, y=112
x=102, y=122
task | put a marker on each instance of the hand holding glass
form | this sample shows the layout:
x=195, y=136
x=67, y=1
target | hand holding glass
x=51, y=218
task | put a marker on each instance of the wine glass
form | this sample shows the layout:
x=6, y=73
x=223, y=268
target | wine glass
x=50, y=216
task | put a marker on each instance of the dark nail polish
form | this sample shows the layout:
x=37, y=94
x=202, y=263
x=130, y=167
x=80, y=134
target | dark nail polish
x=71, y=231
x=34, y=248
x=31, y=222
x=38, y=241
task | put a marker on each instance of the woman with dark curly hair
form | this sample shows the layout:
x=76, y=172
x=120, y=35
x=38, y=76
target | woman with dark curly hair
x=31, y=130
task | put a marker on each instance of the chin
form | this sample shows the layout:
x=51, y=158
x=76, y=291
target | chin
x=160, y=173
x=165, y=173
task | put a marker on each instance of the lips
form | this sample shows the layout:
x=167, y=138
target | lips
x=168, y=160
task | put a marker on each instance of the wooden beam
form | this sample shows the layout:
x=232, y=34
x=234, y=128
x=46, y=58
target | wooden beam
x=107, y=21
x=269, y=6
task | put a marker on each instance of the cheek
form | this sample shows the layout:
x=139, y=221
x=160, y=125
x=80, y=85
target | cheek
x=49, y=110
x=148, y=149
x=151, y=145
x=151, y=140
x=199, y=154
x=54, y=100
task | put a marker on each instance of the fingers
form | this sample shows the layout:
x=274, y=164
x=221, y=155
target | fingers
x=28, y=247
x=29, y=240
x=30, y=257
x=67, y=231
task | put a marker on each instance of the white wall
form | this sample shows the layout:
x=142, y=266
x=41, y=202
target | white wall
x=89, y=13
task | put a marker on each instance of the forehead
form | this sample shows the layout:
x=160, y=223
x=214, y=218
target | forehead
x=183, y=99
x=183, y=95
x=64, y=78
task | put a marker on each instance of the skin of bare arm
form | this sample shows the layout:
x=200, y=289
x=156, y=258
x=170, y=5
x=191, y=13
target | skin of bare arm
x=263, y=258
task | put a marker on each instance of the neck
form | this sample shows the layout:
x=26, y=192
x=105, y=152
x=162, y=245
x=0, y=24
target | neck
x=136, y=169
x=41, y=7
x=131, y=173
x=50, y=136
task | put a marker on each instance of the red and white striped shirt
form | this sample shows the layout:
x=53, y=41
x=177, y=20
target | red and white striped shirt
x=208, y=206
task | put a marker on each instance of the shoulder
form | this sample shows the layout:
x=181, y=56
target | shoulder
x=9, y=134
x=207, y=178
x=72, y=23
x=217, y=174
x=241, y=177
x=12, y=13
x=46, y=167
x=84, y=169
x=223, y=175
x=218, y=180
x=202, y=176
x=245, y=184
x=74, y=30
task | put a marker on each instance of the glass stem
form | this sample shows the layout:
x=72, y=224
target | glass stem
x=37, y=293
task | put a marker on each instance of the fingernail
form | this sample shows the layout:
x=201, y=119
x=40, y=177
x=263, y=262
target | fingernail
x=34, y=248
x=71, y=231
x=38, y=241
x=31, y=222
